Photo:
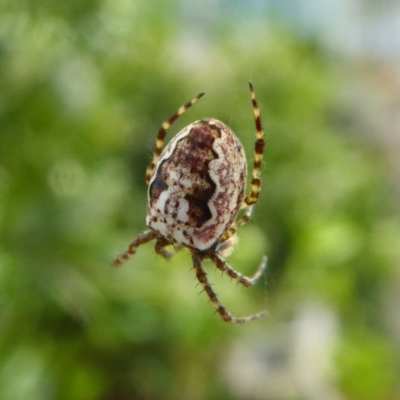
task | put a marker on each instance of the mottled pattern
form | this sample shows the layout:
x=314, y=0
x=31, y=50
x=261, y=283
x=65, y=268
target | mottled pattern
x=198, y=186
x=163, y=131
x=196, y=189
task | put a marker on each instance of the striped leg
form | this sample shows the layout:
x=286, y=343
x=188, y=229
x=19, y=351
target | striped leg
x=222, y=265
x=252, y=197
x=236, y=225
x=142, y=238
x=163, y=131
x=225, y=314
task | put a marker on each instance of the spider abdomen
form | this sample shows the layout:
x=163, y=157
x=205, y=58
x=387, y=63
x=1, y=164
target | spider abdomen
x=198, y=185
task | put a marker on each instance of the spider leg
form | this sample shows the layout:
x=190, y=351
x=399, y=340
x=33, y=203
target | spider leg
x=225, y=314
x=252, y=197
x=160, y=245
x=237, y=224
x=142, y=238
x=222, y=265
x=163, y=131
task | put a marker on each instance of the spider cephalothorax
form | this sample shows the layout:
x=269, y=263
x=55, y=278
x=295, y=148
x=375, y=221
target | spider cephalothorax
x=196, y=189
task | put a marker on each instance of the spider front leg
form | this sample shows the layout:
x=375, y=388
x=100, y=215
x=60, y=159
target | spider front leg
x=225, y=314
x=163, y=131
x=253, y=196
x=142, y=238
x=235, y=226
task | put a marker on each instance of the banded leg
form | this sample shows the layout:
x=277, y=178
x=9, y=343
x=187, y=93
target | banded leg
x=142, y=238
x=237, y=224
x=163, y=131
x=225, y=314
x=222, y=265
x=252, y=197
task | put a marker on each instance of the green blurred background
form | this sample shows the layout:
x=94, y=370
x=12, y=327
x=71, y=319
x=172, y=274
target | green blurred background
x=84, y=87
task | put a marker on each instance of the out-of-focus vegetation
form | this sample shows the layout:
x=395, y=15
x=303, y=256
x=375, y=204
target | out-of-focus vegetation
x=84, y=87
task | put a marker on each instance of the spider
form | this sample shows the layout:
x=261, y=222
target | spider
x=196, y=189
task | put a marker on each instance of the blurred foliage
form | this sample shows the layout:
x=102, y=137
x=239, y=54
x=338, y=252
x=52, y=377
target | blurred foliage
x=83, y=90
